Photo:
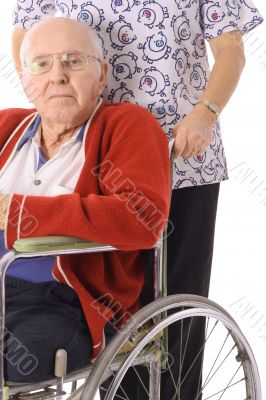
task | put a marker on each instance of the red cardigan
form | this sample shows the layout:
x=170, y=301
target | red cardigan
x=121, y=198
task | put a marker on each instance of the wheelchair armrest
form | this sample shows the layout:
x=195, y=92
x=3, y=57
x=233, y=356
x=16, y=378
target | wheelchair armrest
x=58, y=244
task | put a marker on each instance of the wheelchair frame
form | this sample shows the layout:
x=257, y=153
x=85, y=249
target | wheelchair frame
x=26, y=248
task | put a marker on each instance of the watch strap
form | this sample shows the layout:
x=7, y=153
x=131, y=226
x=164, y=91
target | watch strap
x=211, y=106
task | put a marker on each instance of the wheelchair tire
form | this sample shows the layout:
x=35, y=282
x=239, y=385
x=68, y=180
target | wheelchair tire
x=229, y=370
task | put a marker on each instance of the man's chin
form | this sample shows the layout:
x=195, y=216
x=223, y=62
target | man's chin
x=61, y=116
x=62, y=99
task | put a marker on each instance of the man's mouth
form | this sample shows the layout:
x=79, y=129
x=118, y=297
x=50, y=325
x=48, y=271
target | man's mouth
x=60, y=96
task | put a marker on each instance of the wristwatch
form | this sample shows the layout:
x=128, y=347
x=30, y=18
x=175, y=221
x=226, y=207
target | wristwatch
x=211, y=106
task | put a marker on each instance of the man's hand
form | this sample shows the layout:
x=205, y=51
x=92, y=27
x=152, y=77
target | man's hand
x=194, y=133
x=4, y=204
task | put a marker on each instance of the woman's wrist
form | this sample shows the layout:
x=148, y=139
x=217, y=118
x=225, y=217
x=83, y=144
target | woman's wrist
x=206, y=112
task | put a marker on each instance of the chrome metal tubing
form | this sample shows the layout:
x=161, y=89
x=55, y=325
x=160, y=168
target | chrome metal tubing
x=5, y=262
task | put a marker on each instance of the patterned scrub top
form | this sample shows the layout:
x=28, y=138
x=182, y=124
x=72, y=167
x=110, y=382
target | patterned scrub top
x=157, y=54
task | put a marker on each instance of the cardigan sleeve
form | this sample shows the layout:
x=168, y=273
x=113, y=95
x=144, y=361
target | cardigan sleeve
x=129, y=212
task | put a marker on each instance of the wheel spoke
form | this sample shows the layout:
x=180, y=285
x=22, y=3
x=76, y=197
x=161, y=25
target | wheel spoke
x=201, y=368
x=198, y=354
x=216, y=359
x=118, y=396
x=229, y=383
x=222, y=377
x=180, y=361
x=219, y=366
x=142, y=383
x=228, y=387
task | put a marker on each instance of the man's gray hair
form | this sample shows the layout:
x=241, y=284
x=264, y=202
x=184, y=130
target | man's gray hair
x=93, y=38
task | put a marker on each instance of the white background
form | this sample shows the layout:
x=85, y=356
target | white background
x=238, y=278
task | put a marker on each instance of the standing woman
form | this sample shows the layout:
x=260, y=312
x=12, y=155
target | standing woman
x=157, y=55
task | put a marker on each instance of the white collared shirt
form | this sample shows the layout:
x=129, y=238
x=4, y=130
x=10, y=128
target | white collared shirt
x=58, y=175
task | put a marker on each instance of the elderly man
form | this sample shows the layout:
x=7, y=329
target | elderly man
x=76, y=167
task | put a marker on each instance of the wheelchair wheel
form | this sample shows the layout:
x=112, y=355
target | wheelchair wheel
x=224, y=364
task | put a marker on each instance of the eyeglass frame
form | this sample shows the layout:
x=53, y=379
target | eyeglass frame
x=58, y=56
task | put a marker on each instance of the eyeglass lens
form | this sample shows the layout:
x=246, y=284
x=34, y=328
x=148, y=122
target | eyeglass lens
x=71, y=61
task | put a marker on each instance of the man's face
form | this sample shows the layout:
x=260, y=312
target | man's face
x=59, y=95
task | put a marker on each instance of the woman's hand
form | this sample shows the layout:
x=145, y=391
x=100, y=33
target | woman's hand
x=194, y=133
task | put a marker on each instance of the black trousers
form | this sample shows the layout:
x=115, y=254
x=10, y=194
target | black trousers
x=40, y=319
x=190, y=250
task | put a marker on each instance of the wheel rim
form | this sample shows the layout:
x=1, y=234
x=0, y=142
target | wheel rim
x=209, y=375
x=249, y=367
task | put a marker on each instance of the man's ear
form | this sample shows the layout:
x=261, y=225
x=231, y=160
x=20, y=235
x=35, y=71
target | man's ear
x=17, y=39
x=104, y=76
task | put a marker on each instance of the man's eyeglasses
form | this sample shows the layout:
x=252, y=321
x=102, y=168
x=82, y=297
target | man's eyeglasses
x=74, y=61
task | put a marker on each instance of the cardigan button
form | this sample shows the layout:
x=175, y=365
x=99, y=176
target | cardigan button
x=37, y=182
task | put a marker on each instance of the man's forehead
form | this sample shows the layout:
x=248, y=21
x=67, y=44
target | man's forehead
x=56, y=40
x=37, y=48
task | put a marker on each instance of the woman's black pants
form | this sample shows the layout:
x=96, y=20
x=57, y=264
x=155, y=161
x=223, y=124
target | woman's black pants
x=190, y=250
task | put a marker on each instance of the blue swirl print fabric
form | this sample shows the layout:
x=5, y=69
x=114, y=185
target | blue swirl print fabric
x=157, y=55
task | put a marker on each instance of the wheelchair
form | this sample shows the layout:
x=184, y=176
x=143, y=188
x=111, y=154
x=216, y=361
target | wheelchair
x=228, y=370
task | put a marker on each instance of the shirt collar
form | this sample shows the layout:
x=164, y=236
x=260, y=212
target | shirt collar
x=30, y=132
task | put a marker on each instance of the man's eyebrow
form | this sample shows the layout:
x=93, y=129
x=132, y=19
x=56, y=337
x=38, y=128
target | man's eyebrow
x=60, y=52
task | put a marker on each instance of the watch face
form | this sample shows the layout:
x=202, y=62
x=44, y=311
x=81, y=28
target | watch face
x=213, y=107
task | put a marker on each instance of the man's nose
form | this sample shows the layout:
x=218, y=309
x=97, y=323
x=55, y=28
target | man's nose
x=58, y=73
